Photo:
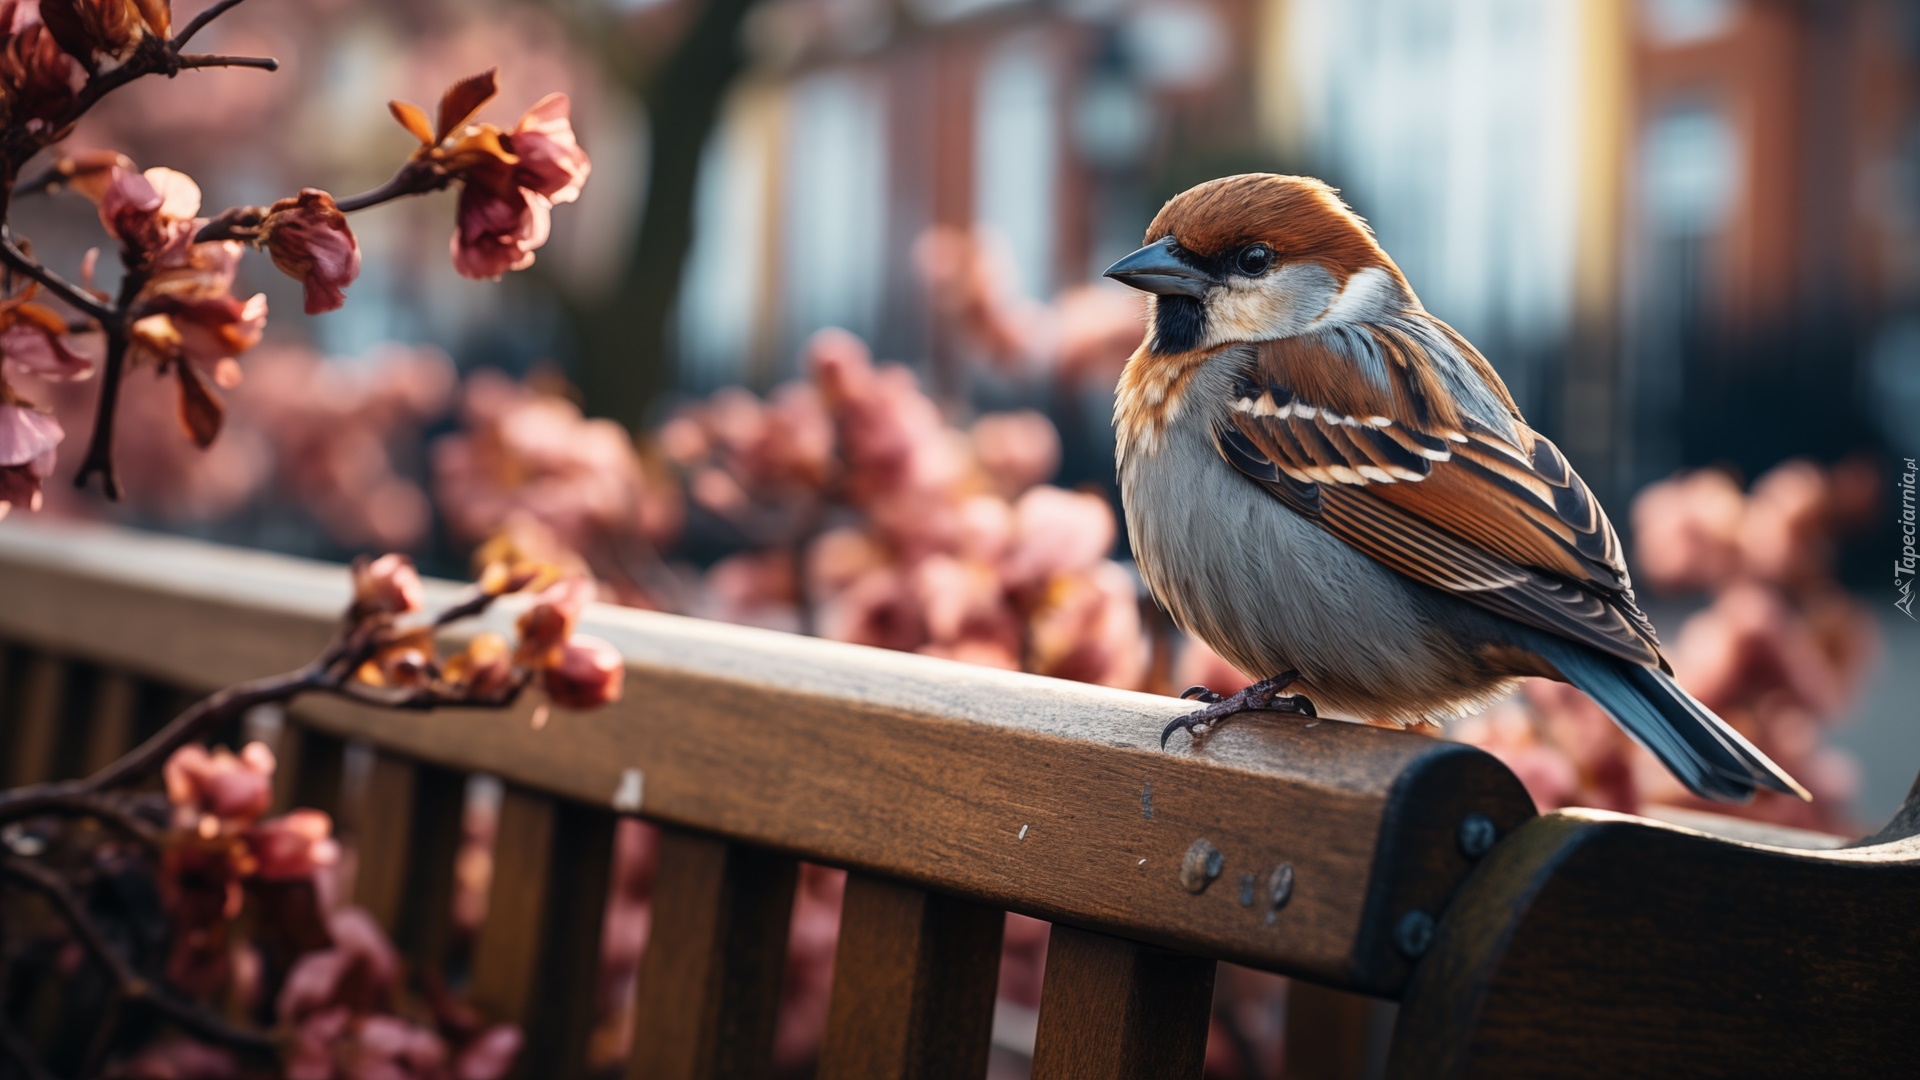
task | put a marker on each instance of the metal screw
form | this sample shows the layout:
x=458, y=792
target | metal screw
x=1203, y=863
x=1477, y=834
x=1413, y=934
x=1279, y=890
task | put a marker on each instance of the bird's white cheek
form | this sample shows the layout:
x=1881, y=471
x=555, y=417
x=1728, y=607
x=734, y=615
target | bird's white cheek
x=1277, y=305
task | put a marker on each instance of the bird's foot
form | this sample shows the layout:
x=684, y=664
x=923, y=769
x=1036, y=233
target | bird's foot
x=1263, y=696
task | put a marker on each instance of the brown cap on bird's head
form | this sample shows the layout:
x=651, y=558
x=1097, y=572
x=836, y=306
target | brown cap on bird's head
x=1299, y=217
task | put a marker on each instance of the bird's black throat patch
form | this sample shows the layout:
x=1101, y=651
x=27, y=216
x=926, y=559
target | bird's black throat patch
x=1179, y=322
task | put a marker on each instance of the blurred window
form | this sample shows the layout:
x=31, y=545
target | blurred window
x=723, y=293
x=1686, y=22
x=835, y=215
x=1690, y=170
x=1015, y=168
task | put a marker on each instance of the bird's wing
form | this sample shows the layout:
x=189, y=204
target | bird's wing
x=1443, y=498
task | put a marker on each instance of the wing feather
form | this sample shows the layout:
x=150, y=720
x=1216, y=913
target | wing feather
x=1504, y=523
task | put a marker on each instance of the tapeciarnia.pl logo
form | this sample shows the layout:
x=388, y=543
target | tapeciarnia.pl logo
x=1903, y=566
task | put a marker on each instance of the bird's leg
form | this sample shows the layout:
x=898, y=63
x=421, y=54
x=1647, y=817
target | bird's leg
x=1263, y=696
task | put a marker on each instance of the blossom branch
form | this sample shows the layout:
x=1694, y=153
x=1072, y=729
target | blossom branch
x=17, y=259
x=99, y=457
x=334, y=672
x=201, y=20
x=215, y=60
x=133, y=986
x=416, y=177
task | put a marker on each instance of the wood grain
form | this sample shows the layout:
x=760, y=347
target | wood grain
x=914, y=977
x=1112, y=1009
x=423, y=930
x=710, y=981
x=38, y=705
x=1329, y=1033
x=567, y=978
x=1601, y=945
x=110, y=720
x=382, y=838
x=506, y=953
x=1020, y=792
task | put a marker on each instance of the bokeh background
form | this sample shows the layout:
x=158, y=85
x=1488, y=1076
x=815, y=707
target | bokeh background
x=823, y=345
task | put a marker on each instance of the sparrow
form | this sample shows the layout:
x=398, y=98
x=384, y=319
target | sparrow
x=1333, y=488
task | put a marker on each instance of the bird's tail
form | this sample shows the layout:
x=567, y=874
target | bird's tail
x=1713, y=760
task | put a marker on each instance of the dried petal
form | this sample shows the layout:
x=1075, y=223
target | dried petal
x=586, y=673
x=414, y=119
x=200, y=412
x=464, y=98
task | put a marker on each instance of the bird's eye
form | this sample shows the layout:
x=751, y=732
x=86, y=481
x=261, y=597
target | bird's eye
x=1254, y=259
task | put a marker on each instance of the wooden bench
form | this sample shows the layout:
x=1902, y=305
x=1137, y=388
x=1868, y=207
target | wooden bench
x=1353, y=859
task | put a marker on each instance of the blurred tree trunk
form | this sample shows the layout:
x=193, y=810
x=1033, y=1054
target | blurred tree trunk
x=623, y=333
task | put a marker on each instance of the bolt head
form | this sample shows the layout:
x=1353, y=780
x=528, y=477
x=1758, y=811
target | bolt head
x=1202, y=863
x=1413, y=934
x=1477, y=835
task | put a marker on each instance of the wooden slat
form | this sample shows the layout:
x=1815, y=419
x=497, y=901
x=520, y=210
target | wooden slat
x=1031, y=794
x=1329, y=1033
x=382, y=836
x=39, y=703
x=1594, y=944
x=1113, y=1009
x=110, y=727
x=423, y=929
x=560, y=1022
x=914, y=977
x=710, y=981
x=312, y=769
x=506, y=953
x=537, y=958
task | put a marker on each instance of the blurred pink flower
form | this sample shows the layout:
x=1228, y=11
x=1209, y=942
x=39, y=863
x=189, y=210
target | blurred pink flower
x=1018, y=449
x=586, y=674
x=388, y=585
x=293, y=845
x=1057, y=532
x=219, y=783
x=29, y=440
x=522, y=452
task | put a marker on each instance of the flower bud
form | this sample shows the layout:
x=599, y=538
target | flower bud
x=585, y=673
x=388, y=585
x=309, y=240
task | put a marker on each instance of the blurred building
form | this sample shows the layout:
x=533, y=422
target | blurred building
x=1660, y=219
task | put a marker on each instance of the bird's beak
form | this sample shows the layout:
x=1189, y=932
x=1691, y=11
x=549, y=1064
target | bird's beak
x=1156, y=269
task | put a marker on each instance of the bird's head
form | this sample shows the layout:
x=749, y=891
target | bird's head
x=1259, y=257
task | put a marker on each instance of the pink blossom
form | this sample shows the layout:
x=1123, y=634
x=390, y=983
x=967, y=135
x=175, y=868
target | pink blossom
x=551, y=162
x=221, y=783
x=1018, y=449
x=388, y=585
x=507, y=195
x=35, y=342
x=293, y=845
x=28, y=441
x=586, y=674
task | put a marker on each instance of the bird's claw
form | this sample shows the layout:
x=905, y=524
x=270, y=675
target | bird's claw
x=1263, y=696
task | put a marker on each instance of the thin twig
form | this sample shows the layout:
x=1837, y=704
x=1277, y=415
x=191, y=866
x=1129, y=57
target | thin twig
x=416, y=177
x=214, y=60
x=144, y=759
x=134, y=987
x=19, y=260
x=97, y=805
x=201, y=20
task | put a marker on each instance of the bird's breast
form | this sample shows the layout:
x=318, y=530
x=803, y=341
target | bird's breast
x=1268, y=589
